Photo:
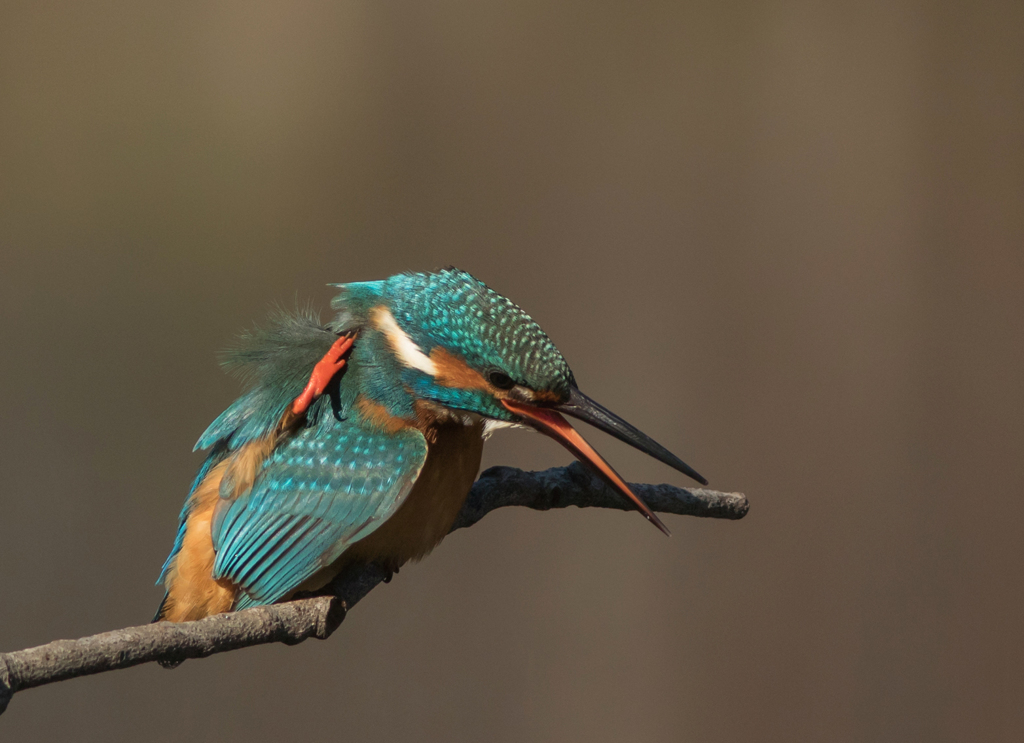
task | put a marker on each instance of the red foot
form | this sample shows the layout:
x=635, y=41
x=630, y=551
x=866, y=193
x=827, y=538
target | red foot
x=323, y=372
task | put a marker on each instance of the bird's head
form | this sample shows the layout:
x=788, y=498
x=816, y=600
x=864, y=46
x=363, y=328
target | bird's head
x=456, y=344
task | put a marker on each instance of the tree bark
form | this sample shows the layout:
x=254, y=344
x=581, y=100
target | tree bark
x=318, y=616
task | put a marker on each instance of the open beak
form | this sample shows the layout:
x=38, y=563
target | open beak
x=582, y=407
x=549, y=421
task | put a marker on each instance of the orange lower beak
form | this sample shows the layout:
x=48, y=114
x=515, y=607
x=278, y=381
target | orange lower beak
x=554, y=425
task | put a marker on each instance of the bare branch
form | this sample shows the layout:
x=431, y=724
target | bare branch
x=294, y=621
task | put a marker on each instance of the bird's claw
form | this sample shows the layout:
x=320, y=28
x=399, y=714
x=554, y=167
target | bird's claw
x=324, y=371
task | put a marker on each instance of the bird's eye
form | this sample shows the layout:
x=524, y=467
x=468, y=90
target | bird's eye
x=500, y=379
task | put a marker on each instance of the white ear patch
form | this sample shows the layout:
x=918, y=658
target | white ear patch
x=405, y=348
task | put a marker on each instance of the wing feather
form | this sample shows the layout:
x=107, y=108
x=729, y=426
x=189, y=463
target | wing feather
x=318, y=492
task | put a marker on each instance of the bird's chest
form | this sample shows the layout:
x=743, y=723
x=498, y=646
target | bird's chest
x=428, y=512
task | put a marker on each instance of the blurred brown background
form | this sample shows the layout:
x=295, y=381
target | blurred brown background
x=787, y=240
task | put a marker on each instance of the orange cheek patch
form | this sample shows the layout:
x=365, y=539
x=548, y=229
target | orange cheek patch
x=452, y=371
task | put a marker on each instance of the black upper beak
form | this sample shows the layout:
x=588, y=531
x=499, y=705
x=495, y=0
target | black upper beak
x=582, y=407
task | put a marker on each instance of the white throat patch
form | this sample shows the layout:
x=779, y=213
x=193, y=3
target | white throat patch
x=405, y=348
x=491, y=425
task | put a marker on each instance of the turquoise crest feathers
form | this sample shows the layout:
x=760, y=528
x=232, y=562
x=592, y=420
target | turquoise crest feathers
x=455, y=310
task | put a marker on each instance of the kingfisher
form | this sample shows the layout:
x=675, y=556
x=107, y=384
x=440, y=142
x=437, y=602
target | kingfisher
x=358, y=441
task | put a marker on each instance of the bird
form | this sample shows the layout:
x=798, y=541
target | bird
x=358, y=440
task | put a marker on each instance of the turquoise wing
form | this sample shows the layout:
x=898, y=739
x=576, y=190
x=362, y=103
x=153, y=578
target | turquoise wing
x=276, y=362
x=318, y=492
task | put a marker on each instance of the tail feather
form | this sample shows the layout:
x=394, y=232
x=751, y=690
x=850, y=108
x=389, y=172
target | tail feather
x=160, y=610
